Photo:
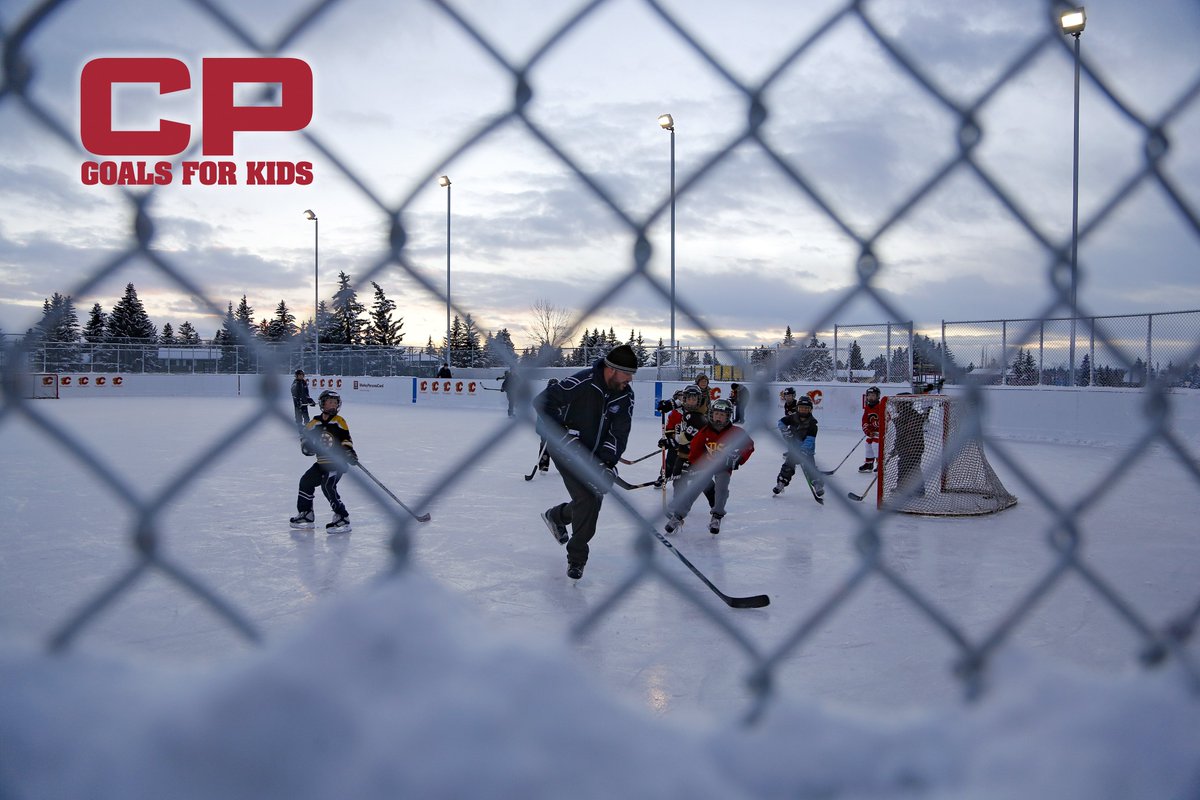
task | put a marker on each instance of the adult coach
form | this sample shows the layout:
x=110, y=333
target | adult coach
x=301, y=399
x=586, y=416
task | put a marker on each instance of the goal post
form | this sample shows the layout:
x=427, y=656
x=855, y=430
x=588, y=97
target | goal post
x=918, y=473
x=40, y=386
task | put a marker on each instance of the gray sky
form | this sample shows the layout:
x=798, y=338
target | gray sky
x=402, y=92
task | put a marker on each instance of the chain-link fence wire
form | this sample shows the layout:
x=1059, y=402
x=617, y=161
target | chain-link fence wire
x=1160, y=639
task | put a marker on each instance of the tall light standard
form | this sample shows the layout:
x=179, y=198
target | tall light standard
x=1072, y=23
x=316, y=294
x=667, y=123
x=445, y=181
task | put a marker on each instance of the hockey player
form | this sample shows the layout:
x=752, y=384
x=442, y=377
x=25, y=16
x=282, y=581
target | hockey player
x=301, y=399
x=589, y=416
x=705, y=394
x=799, y=430
x=873, y=405
x=322, y=438
x=721, y=446
x=787, y=397
x=682, y=425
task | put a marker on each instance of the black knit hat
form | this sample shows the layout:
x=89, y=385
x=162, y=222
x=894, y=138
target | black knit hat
x=623, y=358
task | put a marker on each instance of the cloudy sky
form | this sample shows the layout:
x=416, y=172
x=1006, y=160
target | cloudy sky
x=768, y=231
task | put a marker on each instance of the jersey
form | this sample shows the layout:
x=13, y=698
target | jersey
x=708, y=443
x=871, y=417
x=329, y=433
x=688, y=425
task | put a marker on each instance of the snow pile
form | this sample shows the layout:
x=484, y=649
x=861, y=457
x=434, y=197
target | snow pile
x=401, y=691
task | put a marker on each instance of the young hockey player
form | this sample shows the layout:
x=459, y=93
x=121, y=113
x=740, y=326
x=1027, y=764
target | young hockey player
x=705, y=394
x=872, y=411
x=799, y=429
x=722, y=442
x=682, y=425
x=323, y=435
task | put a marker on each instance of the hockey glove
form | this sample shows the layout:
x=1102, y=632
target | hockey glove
x=604, y=484
x=662, y=443
x=733, y=460
x=306, y=450
x=351, y=457
x=311, y=402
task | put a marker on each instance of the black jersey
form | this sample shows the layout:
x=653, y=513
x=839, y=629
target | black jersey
x=329, y=433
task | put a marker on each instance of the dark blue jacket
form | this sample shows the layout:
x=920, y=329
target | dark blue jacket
x=583, y=406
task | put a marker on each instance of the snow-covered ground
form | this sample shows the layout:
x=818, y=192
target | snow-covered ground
x=459, y=677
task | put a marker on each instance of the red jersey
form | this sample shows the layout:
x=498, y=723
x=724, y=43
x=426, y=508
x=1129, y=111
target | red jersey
x=871, y=418
x=708, y=442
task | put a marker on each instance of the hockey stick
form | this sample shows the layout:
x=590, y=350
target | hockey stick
x=843, y=461
x=490, y=389
x=538, y=465
x=624, y=484
x=416, y=516
x=643, y=458
x=757, y=601
x=859, y=497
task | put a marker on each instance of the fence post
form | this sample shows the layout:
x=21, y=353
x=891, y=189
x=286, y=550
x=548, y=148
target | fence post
x=1149, y=347
x=1003, y=352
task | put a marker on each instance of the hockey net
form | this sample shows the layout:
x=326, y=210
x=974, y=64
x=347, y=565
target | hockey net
x=42, y=386
x=920, y=473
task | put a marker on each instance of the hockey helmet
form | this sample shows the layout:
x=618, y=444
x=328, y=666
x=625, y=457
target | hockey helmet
x=693, y=392
x=804, y=402
x=329, y=394
x=721, y=407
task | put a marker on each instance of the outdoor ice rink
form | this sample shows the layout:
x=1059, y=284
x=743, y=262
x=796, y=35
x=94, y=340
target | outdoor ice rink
x=67, y=537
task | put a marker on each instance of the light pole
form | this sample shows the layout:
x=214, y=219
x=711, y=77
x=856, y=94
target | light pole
x=445, y=181
x=1072, y=23
x=316, y=294
x=667, y=123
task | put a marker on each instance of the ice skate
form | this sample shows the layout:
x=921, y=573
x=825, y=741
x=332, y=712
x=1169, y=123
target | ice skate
x=340, y=524
x=714, y=525
x=559, y=532
x=303, y=521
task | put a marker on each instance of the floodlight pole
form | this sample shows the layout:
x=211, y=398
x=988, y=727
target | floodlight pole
x=445, y=182
x=667, y=123
x=1072, y=23
x=316, y=293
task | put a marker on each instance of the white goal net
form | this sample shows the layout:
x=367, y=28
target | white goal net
x=920, y=473
x=42, y=386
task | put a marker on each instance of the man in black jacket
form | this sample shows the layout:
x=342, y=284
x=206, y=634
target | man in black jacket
x=301, y=399
x=585, y=419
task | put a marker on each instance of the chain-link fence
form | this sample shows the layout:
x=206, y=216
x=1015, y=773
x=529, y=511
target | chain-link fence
x=1023, y=352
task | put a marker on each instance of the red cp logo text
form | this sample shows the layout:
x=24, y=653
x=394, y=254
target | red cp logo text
x=221, y=117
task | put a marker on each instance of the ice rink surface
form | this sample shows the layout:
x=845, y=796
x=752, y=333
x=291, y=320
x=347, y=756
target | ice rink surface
x=68, y=535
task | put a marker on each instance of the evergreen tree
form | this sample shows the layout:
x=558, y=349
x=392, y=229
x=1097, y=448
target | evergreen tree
x=244, y=316
x=282, y=327
x=187, y=334
x=60, y=322
x=348, y=326
x=168, y=335
x=501, y=348
x=129, y=320
x=429, y=350
x=816, y=362
x=97, y=324
x=856, y=358
x=381, y=330
x=1084, y=374
x=472, y=352
x=788, y=340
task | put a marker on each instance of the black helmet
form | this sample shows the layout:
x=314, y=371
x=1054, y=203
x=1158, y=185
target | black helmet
x=804, y=402
x=788, y=392
x=873, y=390
x=692, y=390
x=329, y=394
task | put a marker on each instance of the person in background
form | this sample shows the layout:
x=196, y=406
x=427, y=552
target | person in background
x=739, y=405
x=444, y=372
x=301, y=399
x=589, y=416
x=323, y=437
x=504, y=387
x=705, y=395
